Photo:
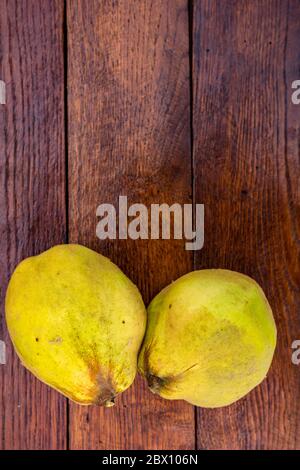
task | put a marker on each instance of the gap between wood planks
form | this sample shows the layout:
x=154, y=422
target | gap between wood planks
x=191, y=65
x=2, y=343
x=66, y=123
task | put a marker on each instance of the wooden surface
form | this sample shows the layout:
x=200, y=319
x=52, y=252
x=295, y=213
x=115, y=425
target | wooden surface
x=246, y=157
x=32, y=196
x=162, y=101
x=134, y=65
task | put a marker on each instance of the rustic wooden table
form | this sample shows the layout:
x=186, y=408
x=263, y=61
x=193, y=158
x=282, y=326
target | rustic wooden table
x=162, y=101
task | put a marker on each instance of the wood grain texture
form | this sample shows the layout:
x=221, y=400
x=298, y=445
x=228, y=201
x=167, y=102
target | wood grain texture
x=129, y=134
x=247, y=169
x=32, y=196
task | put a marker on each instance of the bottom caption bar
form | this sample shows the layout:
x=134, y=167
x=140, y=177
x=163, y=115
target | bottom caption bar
x=135, y=459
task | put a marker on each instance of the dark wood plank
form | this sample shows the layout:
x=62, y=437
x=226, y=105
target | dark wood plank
x=246, y=154
x=129, y=134
x=32, y=196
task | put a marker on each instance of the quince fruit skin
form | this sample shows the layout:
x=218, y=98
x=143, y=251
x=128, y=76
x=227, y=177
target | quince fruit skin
x=210, y=338
x=76, y=322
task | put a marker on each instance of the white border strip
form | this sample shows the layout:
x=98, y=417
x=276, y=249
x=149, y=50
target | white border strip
x=2, y=352
x=2, y=92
